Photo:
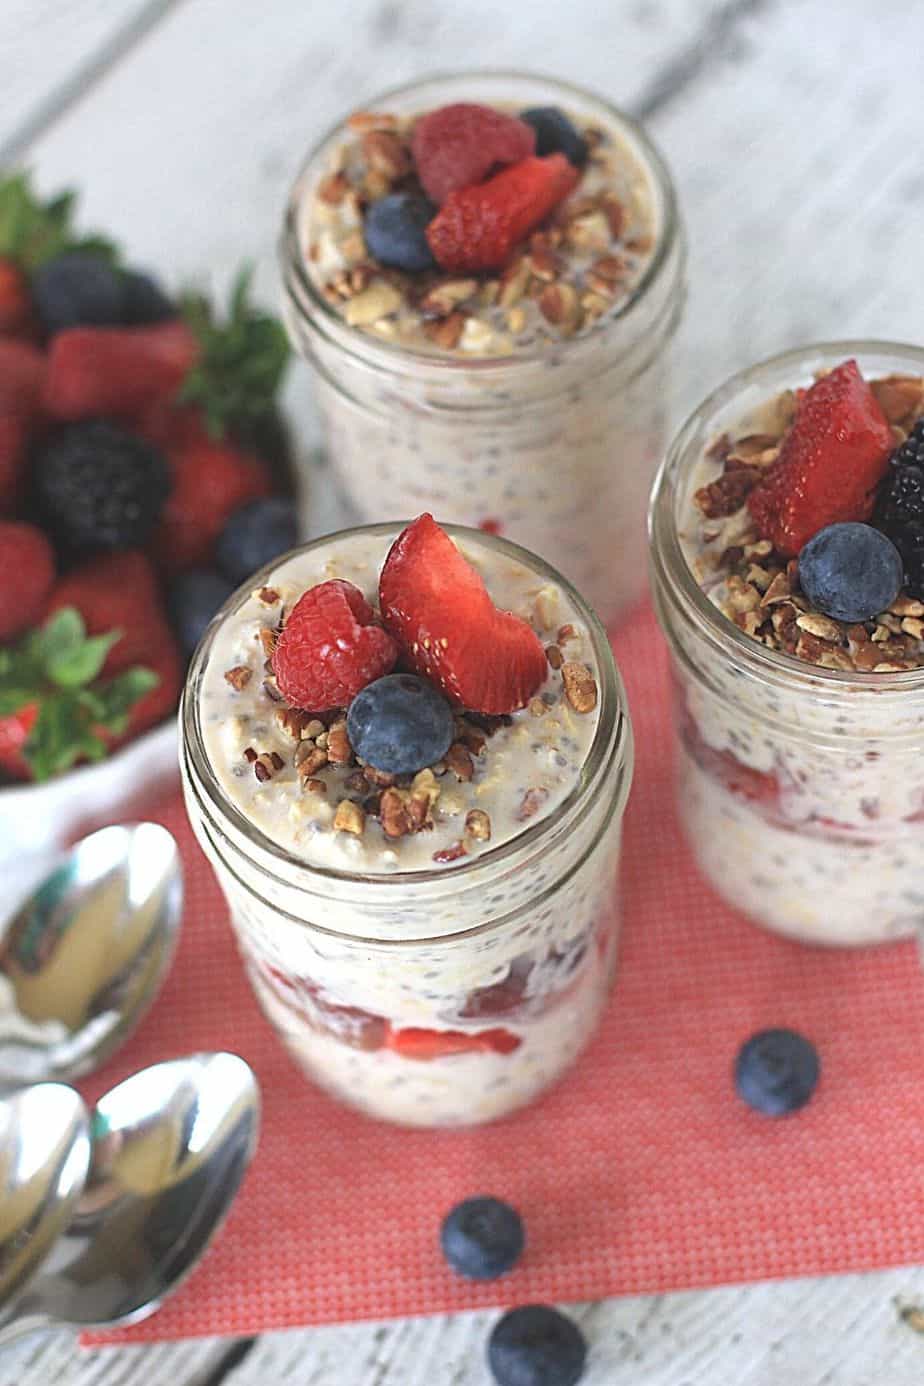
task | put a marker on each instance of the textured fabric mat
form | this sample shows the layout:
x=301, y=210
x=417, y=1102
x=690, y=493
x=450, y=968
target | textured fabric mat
x=641, y=1172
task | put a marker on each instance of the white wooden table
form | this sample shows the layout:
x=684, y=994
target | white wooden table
x=794, y=128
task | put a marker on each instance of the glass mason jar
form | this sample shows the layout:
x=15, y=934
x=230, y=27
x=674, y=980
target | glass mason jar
x=801, y=789
x=553, y=446
x=493, y=974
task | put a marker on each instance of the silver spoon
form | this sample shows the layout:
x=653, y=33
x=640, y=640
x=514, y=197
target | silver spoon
x=44, y=1160
x=84, y=956
x=170, y=1147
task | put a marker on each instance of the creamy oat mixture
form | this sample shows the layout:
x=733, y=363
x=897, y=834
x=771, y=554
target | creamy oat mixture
x=294, y=775
x=806, y=817
x=570, y=274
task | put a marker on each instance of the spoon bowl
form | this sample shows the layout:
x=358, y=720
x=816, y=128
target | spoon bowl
x=170, y=1148
x=84, y=956
x=45, y=1152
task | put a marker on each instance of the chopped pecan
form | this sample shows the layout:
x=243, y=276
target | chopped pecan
x=265, y=765
x=394, y=813
x=899, y=396
x=531, y=803
x=446, y=332
x=339, y=750
x=333, y=189
x=239, y=676
x=478, y=825
x=309, y=759
x=580, y=686
x=349, y=818
x=386, y=154
x=727, y=493
x=268, y=640
x=250, y=755
x=294, y=722
x=380, y=778
x=554, y=655
x=268, y=596
x=821, y=626
x=537, y=708
x=459, y=761
x=560, y=305
x=312, y=786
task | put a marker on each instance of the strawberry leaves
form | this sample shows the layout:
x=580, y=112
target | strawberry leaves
x=55, y=671
x=33, y=231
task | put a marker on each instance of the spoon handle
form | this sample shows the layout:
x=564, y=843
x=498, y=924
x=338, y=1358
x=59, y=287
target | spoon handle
x=12, y=1327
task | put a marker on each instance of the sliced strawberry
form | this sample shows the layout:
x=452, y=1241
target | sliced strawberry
x=15, y=301
x=116, y=592
x=118, y=371
x=424, y=1045
x=757, y=786
x=831, y=461
x=477, y=228
x=438, y=608
x=15, y=730
x=458, y=145
x=210, y=480
x=330, y=648
x=29, y=571
x=22, y=372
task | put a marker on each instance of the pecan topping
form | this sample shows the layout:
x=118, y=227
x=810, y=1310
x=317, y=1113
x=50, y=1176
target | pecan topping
x=268, y=596
x=266, y=765
x=446, y=332
x=460, y=761
x=309, y=759
x=294, y=722
x=531, y=803
x=394, y=813
x=339, y=750
x=386, y=154
x=554, y=656
x=239, y=676
x=727, y=493
x=312, y=786
x=580, y=686
x=268, y=640
x=478, y=825
x=349, y=818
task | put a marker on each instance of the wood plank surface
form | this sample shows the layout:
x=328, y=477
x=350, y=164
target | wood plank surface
x=793, y=128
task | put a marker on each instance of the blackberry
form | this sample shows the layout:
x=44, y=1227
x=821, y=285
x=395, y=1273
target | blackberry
x=98, y=486
x=77, y=289
x=900, y=507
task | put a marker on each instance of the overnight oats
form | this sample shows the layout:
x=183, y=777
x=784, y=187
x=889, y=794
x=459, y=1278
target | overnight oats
x=485, y=272
x=787, y=529
x=407, y=755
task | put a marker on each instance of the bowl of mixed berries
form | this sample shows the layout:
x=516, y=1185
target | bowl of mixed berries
x=144, y=473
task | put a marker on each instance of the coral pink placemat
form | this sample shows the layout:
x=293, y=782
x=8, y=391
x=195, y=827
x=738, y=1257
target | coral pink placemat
x=640, y=1173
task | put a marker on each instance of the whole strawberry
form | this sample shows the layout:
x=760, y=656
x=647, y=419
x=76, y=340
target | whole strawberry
x=22, y=372
x=116, y=371
x=28, y=574
x=116, y=593
x=209, y=481
x=330, y=648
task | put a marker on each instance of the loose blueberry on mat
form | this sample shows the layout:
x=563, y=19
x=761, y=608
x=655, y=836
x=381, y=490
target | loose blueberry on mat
x=851, y=571
x=97, y=486
x=400, y=724
x=482, y=1238
x=900, y=507
x=536, y=1346
x=555, y=134
x=255, y=534
x=776, y=1071
x=77, y=289
x=193, y=599
x=144, y=301
x=395, y=228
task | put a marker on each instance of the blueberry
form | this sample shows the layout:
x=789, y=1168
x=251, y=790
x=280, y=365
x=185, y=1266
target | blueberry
x=555, y=134
x=776, y=1072
x=144, y=301
x=394, y=231
x=482, y=1238
x=193, y=599
x=399, y=724
x=536, y=1346
x=255, y=534
x=851, y=572
x=77, y=289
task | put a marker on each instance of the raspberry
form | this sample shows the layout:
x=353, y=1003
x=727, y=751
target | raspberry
x=330, y=648
x=478, y=228
x=456, y=146
x=29, y=571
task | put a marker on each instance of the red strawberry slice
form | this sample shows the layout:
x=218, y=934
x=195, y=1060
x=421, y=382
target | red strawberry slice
x=15, y=730
x=15, y=301
x=424, y=1045
x=22, y=372
x=438, y=608
x=116, y=591
x=831, y=461
x=458, y=145
x=330, y=648
x=29, y=571
x=477, y=228
x=118, y=371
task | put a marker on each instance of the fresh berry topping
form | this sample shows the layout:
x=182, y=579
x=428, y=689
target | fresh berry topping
x=118, y=371
x=423, y=1046
x=192, y=602
x=29, y=572
x=830, y=462
x=144, y=301
x=52, y=688
x=395, y=231
x=477, y=228
x=330, y=648
x=851, y=572
x=400, y=724
x=900, y=507
x=211, y=480
x=116, y=592
x=77, y=289
x=15, y=300
x=99, y=487
x=456, y=146
x=438, y=608
x=482, y=1238
x=776, y=1072
x=555, y=134
x=255, y=534
x=22, y=372
x=536, y=1346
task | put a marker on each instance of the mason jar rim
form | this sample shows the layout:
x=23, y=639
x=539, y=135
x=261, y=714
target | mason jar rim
x=393, y=357
x=612, y=742
x=673, y=579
